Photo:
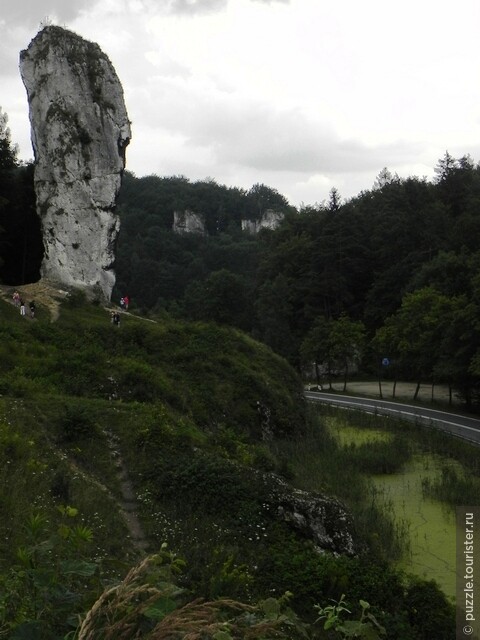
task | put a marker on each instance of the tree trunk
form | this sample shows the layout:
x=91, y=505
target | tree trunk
x=345, y=377
x=415, y=395
x=394, y=388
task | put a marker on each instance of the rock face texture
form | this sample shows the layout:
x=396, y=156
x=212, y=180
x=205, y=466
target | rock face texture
x=318, y=518
x=80, y=130
x=270, y=219
x=188, y=222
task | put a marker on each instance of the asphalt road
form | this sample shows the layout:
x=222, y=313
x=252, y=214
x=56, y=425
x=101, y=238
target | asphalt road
x=457, y=425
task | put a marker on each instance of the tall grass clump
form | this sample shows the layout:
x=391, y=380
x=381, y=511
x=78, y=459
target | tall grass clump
x=150, y=604
x=453, y=487
x=379, y=456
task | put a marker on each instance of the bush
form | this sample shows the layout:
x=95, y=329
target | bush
x=76, y=425
x=207, y=483
x=138, y=381
x=431, y=615
x=51, y=581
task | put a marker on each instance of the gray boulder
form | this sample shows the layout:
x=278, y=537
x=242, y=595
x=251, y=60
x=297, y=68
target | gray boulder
x=323, y=520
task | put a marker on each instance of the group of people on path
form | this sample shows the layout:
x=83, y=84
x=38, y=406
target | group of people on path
x=19, y=302
x=114, y=315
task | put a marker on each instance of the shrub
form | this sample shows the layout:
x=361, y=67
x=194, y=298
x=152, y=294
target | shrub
x=76, y=424
x=50, y=582
x=138, y=381
x=207, y=483
x=431, y=615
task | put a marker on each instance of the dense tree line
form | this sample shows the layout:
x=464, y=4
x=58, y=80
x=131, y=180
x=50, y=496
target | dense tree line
x=21, y=248
x=404, y=248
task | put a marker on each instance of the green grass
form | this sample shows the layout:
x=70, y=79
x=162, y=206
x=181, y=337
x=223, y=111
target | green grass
x=163, y=389
x=198, y=413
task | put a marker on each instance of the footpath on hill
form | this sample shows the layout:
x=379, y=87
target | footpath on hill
x=41, y=292
x=50, y=297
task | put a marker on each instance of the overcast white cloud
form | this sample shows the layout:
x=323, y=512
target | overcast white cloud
x=301, y=95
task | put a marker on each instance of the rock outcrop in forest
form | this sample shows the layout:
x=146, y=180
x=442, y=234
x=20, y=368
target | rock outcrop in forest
x=80, y=130
x=188, y=222
x=269, y=219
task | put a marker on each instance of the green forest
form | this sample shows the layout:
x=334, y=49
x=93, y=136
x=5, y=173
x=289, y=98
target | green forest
x=191, y=416
x=392, y=273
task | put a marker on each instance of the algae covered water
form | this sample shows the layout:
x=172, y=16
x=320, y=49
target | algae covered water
x=428, y=524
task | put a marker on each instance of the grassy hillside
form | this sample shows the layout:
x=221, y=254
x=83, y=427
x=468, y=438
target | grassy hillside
x=117, y=440
x=79, y=393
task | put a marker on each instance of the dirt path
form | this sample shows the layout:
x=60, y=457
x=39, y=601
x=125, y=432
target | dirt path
x=128, y=504
x=43, y=293
x=50, y=297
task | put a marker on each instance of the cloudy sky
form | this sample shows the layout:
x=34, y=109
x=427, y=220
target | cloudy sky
x=301, y=95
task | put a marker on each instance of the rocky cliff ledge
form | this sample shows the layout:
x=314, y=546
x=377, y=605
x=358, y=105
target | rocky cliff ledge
x=270, y=219
x=80, y=130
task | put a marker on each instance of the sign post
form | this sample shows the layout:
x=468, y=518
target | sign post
x=385, y=363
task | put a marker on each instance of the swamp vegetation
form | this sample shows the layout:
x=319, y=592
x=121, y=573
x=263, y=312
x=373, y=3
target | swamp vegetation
x=415, y=477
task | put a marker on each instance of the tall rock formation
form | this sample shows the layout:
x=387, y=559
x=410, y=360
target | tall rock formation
x=80, y=130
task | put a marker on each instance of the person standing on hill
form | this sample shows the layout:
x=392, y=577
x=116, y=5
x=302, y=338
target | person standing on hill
x=22, y=307
x=32, y=309
x=126, y=302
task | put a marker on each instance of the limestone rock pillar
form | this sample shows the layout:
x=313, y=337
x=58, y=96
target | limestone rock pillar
x=80, y=130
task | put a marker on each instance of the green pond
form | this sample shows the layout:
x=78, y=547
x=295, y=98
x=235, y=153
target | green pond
x=430, y=523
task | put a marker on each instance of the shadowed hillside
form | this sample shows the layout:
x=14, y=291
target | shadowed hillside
x=116, y=440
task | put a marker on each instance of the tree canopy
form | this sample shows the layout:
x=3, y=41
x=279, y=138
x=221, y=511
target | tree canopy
x=374, y=259
x=21, y=247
